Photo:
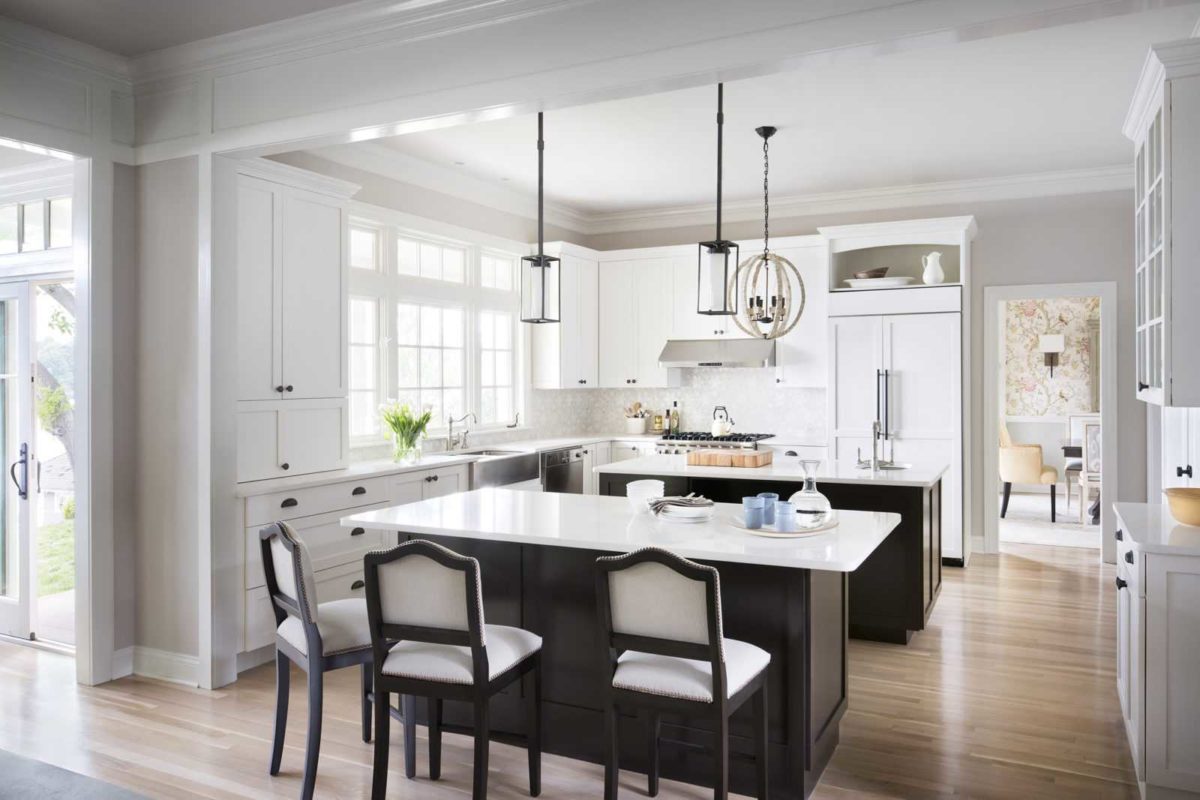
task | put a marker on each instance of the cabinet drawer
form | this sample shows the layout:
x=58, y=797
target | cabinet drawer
x=329, y=544
x=338, y=583
x=311, y=500
x=1131, y=566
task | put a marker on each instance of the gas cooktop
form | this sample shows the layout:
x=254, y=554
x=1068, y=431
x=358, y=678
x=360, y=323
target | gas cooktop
x=704, y=436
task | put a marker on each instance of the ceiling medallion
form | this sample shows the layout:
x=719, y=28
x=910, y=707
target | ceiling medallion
x=771, y=285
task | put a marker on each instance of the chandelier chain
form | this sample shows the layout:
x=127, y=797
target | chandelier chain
x=766, y=202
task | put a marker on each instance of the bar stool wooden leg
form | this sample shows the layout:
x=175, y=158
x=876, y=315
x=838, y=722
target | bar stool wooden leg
x=435, y=737
x=653, y=727
x=316, y=692
x=283, y=675
x=612, y=751
x=760, y=740
x=533, y=716
x=480, y=780
x=721, y=784
x=366, y=701
x=382, y=745
x=409, y=710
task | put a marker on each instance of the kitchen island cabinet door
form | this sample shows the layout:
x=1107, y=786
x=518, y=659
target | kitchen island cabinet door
x=1172, y=680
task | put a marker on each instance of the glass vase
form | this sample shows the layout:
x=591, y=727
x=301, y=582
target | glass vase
x=406, y=450
x=812, y=508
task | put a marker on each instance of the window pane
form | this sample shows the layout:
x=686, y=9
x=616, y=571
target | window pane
x=452, y=368
x=33, y=234
x=60, y=222
x=407, y=260
x=452, y=264
x=362, y=367
x=364, y=250
x=452, y=327
x=433, y=399
x=487, y=271
x=503, y=368
x=8, y=230
x=408, y=367
x=487, y=405
x=503, y=332
x=431, y=261
x=431, y=326
x=431, y=367
x=452, y=403
x=364, y=414
x=487, y=368
x=410, y=398
x=504, y=404
x=408, y=324
x=364, y=328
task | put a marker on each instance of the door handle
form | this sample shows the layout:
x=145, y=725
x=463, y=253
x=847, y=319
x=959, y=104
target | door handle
x=22, y=482
x=39, y=476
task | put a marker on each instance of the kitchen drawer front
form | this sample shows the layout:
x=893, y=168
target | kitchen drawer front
x=306, y=502
x=1131, y=566
x=329, y=544
x=338, y=583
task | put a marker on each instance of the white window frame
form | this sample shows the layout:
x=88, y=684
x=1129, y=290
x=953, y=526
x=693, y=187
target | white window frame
x=390, y=288
x=33, y=183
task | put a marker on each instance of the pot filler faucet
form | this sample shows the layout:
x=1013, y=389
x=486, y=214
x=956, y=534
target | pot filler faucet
x=458, y=442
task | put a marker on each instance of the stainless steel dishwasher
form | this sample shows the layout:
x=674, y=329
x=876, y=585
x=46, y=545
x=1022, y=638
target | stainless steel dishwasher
x=562, y=471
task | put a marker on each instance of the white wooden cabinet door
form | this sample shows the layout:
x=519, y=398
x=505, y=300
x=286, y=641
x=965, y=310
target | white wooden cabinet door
x=650, y=293
x=1193, y=454
x=801, y=356
x=854, y=357
x=258, y=296
x=587, y=357
x=407, y=487
x=1172, y=597
x=258, y=446
x=922, y=355
x=312, y=437
x=687, y=323
x=448, y=480
x=314, y=296
x=623, y=451
x=618, y=325
x=1177, y=447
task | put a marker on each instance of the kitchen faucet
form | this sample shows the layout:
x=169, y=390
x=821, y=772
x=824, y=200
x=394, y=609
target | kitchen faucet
x=459, y=442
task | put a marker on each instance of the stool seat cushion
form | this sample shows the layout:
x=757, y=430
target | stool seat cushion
x=686, y=678
x=1074, y=465
x=342, y=623
x=448, y=663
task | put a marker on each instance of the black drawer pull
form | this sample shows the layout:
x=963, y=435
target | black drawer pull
x=1143, y=386
x=435, y=477
x=359, y=490
x=291, y=502
x=358, y=531
x=1120, y=535
x=1129, y=557
x=1121, y=584
x=1181, y=471
x=356, y=586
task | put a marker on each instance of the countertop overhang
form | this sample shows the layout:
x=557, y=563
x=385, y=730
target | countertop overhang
x=1150, y=528
x=783, y=468
x=608, y=524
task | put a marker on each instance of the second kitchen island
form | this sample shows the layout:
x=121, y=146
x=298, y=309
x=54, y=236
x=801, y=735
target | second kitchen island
x=893, y=593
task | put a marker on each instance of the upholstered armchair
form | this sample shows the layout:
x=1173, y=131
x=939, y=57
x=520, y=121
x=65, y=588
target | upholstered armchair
x=1022, y=463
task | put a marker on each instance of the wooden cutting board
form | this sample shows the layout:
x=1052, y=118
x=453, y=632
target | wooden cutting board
x=730, y=458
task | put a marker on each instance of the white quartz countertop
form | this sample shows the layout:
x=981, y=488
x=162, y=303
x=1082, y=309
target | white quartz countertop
x=1150, y=528
x=608, y=524
x=381, y=467
x=781, y=469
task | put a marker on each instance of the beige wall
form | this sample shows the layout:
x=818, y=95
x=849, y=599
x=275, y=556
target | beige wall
x=1071, y=239
x=166, y=450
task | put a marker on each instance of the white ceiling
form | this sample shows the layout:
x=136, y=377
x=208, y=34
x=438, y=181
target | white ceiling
x=135, y=27
x=1047, y=100
x=12, y=157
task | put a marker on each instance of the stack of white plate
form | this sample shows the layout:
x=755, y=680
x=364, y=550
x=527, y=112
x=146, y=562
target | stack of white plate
x=686, y=514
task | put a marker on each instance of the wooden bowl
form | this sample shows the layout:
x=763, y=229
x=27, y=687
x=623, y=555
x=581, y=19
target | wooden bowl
x=867, y=274
x=1184, y=505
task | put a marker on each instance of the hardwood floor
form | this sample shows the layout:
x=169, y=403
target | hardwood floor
x=1010, y=693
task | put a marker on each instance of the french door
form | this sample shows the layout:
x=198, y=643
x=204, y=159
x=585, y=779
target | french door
x=16, y=437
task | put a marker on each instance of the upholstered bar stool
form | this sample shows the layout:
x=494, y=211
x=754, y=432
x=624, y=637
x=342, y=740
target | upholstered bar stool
x=665, y=650
x=425, y=606
x=317, y=638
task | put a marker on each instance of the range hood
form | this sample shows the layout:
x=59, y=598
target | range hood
x=718, y=353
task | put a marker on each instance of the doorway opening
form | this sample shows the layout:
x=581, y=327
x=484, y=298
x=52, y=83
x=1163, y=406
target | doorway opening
x=1050, y=373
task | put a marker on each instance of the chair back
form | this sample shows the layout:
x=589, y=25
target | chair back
x=289, y=580
x=1091, y=448
x=420, y=591
x=1076, y=423
x=654, y=601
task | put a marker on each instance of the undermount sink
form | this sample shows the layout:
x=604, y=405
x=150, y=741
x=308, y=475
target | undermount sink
x=496, y=467
x=490, y=452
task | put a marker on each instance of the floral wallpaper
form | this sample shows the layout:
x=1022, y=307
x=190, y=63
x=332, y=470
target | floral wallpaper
x=1029, y=389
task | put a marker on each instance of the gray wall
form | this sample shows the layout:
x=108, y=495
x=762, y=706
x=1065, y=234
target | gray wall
x=166, y=450
x=125, y=403
x=1072, y=239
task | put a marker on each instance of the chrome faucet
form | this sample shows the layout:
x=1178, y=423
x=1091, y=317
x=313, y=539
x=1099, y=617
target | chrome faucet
x=458, y=442
x=875, y=432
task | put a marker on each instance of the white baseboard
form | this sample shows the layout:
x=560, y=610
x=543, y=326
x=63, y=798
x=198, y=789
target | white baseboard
x=122, y=663
x=166, y=666
x=255, y=658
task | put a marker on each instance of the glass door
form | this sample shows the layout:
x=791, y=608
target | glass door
x=16, y=555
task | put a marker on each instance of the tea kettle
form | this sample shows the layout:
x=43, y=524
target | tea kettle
x=722, y=423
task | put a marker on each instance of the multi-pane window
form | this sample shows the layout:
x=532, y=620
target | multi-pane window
x=496, y=272
x=439, y=262
x=364, y=366
x=496, y=367
x=431, y=359
x=364, y=248
x=35, y=225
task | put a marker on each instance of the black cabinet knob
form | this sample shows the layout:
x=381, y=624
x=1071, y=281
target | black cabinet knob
x=290, y=502
x=279, y=389
x=285, y=465
x=356, y=586
x=1120, y=534
x=779, y=380
x=1181, y=471
x=634, y=380
x=1143, y=386
x=1129, y=557
x=359, y=490
x=435, y=477
x=289, y=387
x=358, y=531
x=428, y=478
x=1121, y=584
x=581, y=380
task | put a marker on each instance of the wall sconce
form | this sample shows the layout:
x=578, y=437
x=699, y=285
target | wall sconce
x=1050, y=346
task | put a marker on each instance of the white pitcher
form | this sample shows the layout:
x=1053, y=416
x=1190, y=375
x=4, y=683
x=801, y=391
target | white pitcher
x=933, y=269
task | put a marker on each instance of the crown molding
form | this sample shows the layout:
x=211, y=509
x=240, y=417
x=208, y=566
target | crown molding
x=294, y=176
x=364, y=22
x=68, y=52
x=382, y=160
x=1163, y=62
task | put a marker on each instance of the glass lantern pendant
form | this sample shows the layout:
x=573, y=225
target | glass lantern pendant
x=540, y=284
x=718, y=259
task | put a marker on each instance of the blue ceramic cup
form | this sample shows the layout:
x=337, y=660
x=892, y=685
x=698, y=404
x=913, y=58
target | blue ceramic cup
x=785, y=516
x=769, y=500
x=752, y=512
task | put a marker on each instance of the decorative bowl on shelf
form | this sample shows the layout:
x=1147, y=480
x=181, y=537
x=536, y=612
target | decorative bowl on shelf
x=867, y=274
x=1184, y=504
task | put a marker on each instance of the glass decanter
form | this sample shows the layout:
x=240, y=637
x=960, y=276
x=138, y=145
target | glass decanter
x=812, y=508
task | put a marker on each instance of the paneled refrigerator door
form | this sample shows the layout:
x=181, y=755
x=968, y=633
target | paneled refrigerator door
x=854, y=360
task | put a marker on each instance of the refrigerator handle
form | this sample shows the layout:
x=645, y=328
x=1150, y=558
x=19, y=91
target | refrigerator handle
x=878, y=400
x=887, y=405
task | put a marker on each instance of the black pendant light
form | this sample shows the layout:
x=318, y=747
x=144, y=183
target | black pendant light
x=718, y=259
x=540, y=284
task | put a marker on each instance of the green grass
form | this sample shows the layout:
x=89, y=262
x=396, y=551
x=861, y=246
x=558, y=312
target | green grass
x=56, y=558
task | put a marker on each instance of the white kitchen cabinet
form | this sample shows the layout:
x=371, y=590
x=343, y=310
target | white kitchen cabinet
x=566, y=355
x=687, y=323
x=636, y=313
x=276, y=439
x=595, y=455
x=801, y=356
x=1164, y=125
x=623, y=451
x=258, y=234
x=1180, y=447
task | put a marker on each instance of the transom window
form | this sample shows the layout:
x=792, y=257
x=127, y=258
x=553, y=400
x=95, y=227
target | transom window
x=433, y=324
x=35, y=225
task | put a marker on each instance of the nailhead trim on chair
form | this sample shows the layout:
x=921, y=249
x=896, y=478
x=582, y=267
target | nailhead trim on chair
x=478, y=577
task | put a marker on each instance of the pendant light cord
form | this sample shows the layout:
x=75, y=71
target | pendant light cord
x=541, y=149
x=720, y=149
x=766, y=202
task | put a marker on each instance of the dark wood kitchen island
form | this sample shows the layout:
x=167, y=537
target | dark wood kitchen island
x=537, y=556
x=893, y=593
